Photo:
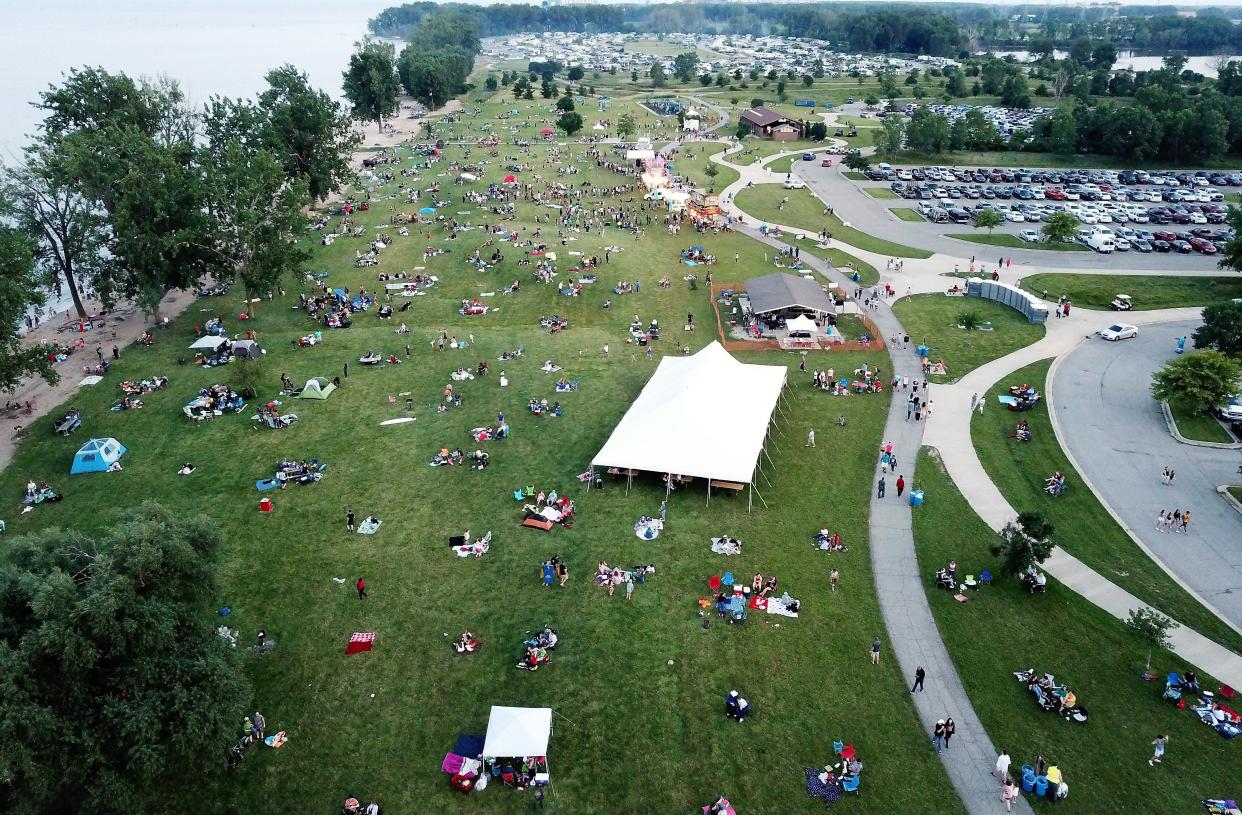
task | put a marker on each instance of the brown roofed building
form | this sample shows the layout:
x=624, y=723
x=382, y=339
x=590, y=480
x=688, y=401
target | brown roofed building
x=768, y=124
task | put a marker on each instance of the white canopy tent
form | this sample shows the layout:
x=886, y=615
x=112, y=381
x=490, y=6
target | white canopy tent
x=801, y=325
x=209, y=342
x=705, y=416
x=517, y=731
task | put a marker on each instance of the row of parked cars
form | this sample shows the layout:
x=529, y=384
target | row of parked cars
x=1081, y=193
x=1099, y=179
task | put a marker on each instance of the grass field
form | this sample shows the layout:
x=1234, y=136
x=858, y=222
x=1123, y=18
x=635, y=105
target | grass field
x=931, y=319
x=1236, y=492
x=1084, y=527
x=694, y=160
x=1005, y=629
x=1007, y=241
x=854, y=175
x=635, y=729
x=1148, y=291
x=1195, y=423
x=882, y=193
x=868, y=276
x=905, y=213
x=804, y=210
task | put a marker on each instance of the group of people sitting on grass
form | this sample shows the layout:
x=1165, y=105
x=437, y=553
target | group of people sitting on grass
x=1054, y=484
x=131, y=388
x=829, y=542
x=540, y=407
x=302, y=471
x=1056, y=698
x=1022, y=432
x=214, y=399
x=611, y=577
x=536, y=649
x=467, y=643
x=1035, y=581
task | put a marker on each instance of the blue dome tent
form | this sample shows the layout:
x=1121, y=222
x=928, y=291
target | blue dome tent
x=96, y=456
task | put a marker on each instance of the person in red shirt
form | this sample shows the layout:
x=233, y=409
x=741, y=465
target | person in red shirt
x=362, y=589
x=901, y=484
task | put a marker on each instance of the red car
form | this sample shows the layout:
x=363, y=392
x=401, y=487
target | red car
x=1200, y=245
x=1055, y=194
x=1164, y=236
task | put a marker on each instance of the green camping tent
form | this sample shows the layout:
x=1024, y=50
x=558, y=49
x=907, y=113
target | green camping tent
x=317, y=388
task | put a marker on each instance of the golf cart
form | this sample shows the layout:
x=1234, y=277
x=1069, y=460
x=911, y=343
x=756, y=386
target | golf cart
x=1121, y=303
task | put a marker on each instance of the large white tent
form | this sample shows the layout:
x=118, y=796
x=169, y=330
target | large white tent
x=801, y=325
x=517, y=731
x=705, y=416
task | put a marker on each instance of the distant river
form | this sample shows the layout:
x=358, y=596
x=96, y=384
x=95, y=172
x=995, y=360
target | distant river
x=210, y=46
x=1202, y=65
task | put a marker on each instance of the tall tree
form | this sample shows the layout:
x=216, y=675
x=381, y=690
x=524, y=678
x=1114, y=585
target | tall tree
x=111, y=677
x=255, y=208
x=892, y=136
x=570, y=122
x=658, y=76
x=308, y=131
x=1199, y=378
x=370, y=81
x=685, y=65
x=1221, y=329
x=19, y=290
x=988, y=219
x=1023, y=543
x=70, y=231
x=626, y=125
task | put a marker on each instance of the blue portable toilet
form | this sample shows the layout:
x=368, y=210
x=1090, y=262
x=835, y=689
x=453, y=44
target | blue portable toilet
x=96, y=456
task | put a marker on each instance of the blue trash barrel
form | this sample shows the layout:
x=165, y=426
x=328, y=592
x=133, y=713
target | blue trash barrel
x=855, y=277
x=922, y=350
x=1041, y=785
x=916, y=498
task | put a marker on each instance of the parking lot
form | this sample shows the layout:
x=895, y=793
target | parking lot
x=1139, y=212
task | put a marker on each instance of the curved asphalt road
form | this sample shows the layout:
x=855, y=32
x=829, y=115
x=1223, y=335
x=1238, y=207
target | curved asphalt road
x=1119, y=440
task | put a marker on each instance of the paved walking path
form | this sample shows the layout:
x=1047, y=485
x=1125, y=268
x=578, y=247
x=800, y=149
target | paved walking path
x=912, y=632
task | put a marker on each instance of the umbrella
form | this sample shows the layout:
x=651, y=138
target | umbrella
x=510, y=179
x=545, y=132
x=427, y=211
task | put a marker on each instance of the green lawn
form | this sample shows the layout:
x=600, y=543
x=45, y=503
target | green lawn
x=804, y=210
x=694, y=161
x=1004, y=239
x=1195, y=423
x=634, y=728
x=755, y=150
x=1236, y=492
x=868, y=276
x=845, y=120
x=1004, y=629
x=881, y=192
x=854, y=175
x=931, y=319
x=906, y=213
x=1147, y=291
x=1084, y=527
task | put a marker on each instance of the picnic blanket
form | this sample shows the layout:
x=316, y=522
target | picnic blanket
x=782, y=606
x=369, y=527
x=722, y=549
x=468, y=745
x=1006, y=399
x=648, y=528
x=817, y=788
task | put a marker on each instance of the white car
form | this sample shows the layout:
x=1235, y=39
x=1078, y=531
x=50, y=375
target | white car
x=1118, y=331
x=1029, y=235
x=794, y=184
x=1232, y=409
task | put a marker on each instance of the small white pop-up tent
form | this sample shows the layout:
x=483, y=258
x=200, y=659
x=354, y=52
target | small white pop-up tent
x=801, y=326
x=514, y=732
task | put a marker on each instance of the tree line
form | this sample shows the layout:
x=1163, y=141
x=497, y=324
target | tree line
x=129, y=191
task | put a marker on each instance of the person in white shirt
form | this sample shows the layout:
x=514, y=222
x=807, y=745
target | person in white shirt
x=1002, y=767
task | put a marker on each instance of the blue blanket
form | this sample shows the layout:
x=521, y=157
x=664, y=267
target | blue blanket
x=818, y=789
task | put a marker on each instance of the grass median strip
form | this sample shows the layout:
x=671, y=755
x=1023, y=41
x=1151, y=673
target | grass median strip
x=1147, y=291
x=1194, y=423
x=1007, y=241
x=906, y=214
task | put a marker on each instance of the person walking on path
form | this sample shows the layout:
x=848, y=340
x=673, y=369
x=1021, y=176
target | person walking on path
x=1009, y=791
x=1185, y=528
x=879, y=488
x=1001, y=770
x=892, y=464
x=938, y=735
x=910, y=407
x=974, y=400
x=810, y=438
x=349, y=520
x=875, y=651
x=901, y=484
x=919, y=676
x=949, y=729
x=361, y=585
x=979, y=405
x=1157, y=756
x=833, y=577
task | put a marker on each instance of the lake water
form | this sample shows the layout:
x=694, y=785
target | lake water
x=220, y=47
x=1201, y=65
